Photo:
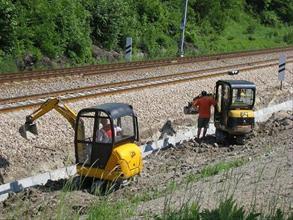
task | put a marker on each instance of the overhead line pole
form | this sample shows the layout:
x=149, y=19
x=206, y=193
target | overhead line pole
x=183, y=24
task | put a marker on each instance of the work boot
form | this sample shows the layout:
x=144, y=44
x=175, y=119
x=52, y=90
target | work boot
x=198, y=140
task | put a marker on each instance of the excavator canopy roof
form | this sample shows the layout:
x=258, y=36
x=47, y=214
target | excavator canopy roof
x=114, y=110
x=241, y=84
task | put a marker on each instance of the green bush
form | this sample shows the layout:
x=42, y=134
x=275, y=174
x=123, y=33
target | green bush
x=272, y=34
x=230, y=38
x=8, y=23
x=226, y=210
x=70, y=28
x=7, y=63
x=269, y=18
x=288, y=37
x=251, y=29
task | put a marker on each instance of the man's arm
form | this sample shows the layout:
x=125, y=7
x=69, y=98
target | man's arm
x=213, y=101
x=195, y=102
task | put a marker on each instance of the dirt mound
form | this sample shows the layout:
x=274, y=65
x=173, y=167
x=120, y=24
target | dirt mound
x=282, y=120
x=47, y=201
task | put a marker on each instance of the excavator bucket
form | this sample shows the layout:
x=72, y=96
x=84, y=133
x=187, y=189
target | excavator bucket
x=31, y=127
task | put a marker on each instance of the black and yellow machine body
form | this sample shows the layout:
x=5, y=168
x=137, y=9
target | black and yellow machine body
x=115, y=158
x=234, y=115
x=110, y=155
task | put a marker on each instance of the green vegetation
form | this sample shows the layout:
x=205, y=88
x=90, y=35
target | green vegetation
x=43, y=33
x=154, y=193
x=106, y=210
x=215, y=169
x=226, y=210
x=68, y=206
x=207, y=171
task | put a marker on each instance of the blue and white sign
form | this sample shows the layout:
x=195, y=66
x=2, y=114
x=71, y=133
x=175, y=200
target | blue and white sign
x=282, y=63
x=128, y=49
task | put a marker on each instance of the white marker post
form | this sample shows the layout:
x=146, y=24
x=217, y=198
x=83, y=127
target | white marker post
x=282, y=63
x=128, y=49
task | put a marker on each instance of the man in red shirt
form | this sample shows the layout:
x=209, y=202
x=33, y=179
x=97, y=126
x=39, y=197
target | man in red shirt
x=203, y=105
x=104, y=134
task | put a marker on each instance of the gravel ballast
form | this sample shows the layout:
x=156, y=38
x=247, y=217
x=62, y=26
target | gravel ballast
x=61, y=83
x=53, y=147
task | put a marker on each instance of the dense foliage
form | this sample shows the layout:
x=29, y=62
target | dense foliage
x=32, y=30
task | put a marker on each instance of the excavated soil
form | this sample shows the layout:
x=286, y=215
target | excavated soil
x=265, y=177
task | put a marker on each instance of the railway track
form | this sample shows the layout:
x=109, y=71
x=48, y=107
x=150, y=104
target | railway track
x=23, y=102
x=108, y=68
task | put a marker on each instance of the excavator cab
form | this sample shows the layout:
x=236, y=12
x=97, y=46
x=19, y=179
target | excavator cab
x=107, y=149
x=234, y=115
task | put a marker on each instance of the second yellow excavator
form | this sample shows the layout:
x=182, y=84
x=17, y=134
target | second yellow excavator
x=104, y=140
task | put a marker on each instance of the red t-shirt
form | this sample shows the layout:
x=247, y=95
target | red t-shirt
x=109, y=133
x=203, y=105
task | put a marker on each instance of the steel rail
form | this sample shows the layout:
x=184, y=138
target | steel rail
x=127, y=86
x=109, y=68
x=122, y=83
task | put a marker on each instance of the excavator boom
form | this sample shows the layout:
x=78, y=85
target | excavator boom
x=50, y=104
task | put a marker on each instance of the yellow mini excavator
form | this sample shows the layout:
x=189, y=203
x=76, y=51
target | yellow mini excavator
x=234, y=115
x=104, y=140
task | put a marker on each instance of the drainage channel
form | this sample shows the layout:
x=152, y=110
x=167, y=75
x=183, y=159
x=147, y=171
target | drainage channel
x=151, y=147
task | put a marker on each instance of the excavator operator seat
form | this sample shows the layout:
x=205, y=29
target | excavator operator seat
x=242, y=97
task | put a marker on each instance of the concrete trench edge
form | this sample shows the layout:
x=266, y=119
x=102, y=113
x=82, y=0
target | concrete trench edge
x=151, y=147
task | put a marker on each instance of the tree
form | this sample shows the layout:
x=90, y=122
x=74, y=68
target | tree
x=107, y=21
x=7, y=24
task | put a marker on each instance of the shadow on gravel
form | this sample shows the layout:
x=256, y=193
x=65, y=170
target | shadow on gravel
x=52, y=185
x=92, y=186
x=71, y=184
x=209, y=139
x=4, y=163
x=229, y=142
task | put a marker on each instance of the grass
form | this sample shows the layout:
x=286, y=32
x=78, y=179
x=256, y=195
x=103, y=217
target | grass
x=246, y=33
x=7, y=64
x=105, y=207
x=226, y=210
x=154, y=193
x=215, y=169
x=207, y=171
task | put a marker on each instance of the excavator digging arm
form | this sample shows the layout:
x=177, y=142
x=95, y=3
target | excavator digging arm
x=50, y=104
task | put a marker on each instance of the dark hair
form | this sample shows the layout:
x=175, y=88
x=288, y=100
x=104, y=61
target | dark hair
x=203, y=93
